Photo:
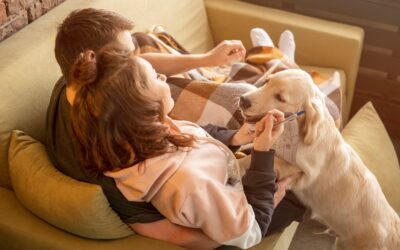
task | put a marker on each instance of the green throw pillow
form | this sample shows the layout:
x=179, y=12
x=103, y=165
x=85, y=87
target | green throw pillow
x=77, y=207
x=369, y=138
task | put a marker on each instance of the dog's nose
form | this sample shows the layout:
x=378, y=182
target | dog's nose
x=244, y=103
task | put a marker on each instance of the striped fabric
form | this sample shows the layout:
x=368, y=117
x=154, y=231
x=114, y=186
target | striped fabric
x=210, y=95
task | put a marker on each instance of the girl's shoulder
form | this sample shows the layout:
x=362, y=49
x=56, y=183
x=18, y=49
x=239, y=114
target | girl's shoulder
x=190, y=128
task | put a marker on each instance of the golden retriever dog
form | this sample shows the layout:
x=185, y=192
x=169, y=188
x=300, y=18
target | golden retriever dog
x=338, y=187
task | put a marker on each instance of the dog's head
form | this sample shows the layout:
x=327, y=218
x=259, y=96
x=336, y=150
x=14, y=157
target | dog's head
x=291, y=91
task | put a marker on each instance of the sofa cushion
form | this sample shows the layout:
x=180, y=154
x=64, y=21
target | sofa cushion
x=369, y=138
x=77, y=207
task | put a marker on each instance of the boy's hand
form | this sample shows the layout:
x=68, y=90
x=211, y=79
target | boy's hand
x=243, y=136
x=226, y=52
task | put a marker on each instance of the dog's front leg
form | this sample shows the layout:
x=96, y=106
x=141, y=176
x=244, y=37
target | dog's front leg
x=284, y=169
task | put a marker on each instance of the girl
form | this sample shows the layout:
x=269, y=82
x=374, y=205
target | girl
x=120, y=119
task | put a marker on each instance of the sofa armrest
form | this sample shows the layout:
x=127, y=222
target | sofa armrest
x=318, y=42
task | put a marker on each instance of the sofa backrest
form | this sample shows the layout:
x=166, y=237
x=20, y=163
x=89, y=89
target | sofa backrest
x=28, y=69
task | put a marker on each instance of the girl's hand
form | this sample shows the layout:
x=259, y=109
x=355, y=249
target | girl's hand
x=266, y=134
x=244, y=136
x=226, y=52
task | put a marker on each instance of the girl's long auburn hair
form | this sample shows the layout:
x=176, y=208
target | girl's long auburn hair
x=116, y=119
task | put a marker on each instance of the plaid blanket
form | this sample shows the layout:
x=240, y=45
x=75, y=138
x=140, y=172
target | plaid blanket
x=210, y=95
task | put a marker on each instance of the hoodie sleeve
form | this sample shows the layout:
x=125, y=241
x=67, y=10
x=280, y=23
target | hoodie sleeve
x=259, y=187
x=222, y=213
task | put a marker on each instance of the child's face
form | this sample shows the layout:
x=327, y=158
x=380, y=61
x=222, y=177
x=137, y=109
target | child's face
x=124, y=38
x=157, y=85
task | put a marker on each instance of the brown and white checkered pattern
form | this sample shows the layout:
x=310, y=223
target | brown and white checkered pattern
x=210, y=95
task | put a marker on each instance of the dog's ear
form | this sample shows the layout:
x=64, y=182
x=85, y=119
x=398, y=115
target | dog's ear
x=311, y=121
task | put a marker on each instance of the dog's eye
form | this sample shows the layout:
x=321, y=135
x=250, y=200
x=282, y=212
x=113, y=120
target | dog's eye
x=279, y=97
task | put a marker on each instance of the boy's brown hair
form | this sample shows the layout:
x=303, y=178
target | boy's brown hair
x=86, y=29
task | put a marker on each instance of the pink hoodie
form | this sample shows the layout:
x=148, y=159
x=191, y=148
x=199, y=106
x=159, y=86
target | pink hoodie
x=190, y=188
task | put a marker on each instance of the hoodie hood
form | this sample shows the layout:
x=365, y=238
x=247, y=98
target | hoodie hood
x=142, y=181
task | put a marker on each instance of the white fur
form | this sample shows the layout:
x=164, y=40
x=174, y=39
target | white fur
x=336, y=184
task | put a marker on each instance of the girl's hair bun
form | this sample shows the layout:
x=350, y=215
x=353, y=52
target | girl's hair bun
x=84, y=70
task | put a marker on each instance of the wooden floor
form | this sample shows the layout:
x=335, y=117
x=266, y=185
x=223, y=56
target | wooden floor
x=309, y=236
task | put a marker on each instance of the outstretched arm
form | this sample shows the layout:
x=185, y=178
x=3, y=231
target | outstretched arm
x=223, y=53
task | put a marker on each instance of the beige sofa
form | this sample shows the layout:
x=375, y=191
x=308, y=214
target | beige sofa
x=28, y=71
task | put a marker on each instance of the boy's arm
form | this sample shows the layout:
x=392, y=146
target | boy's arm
x=169, y=64
x=223, y=53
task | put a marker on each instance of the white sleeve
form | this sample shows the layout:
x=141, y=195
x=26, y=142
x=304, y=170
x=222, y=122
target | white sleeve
x=251, y=237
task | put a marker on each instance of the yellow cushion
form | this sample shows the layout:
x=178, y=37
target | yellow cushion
x=367, y=135
x=77, y=207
